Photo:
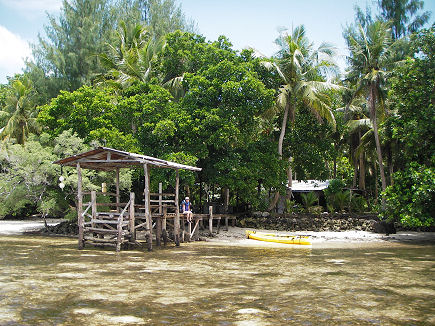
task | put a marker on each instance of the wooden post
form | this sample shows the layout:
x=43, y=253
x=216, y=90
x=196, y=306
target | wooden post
x=183, y=229
x=226, y=223
x=158, y=230
x=177, y=210
x=189, y=230
x=117, y=191
x=132, y=218
x=160, y=198
x=80, y=218
x=218, y=225
x=164, y=233
x=94, y=210
x=210, y=220
x=149, y=221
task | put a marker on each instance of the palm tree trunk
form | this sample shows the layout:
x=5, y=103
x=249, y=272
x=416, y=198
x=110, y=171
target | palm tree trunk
x=362, y=170
x=375, y=131
x=290, y=179
x=283, y=129
x=280, y=144
x=362, y=173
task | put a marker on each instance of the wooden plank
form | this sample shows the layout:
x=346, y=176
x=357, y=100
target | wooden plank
x=194, y=229
x=161, y=194
x=98, y=221
x=100, y=193
x=80, y=220
x=105, y=231
x=98, y=240
x=162, y=201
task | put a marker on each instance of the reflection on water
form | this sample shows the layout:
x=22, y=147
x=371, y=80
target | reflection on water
x=47, y=281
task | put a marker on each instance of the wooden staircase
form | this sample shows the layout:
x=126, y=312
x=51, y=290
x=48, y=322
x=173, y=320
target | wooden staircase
x=109, y=228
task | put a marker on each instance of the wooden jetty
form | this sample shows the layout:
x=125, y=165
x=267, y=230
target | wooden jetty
x=116, y=224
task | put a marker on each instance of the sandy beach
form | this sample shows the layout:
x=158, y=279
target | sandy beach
x=237, y=235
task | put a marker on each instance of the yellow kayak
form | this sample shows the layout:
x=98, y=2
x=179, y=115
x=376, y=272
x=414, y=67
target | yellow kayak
x=279, y=238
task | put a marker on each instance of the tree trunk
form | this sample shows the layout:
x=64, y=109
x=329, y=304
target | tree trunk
x=289, y=178
x=373, y=96
x=280, y=144
x=362, y=169
x=362, y=172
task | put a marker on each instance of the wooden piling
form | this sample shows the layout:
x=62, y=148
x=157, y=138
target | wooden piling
x=226, y=223
x=189, y=230
x=210, y=220
x=117, y=191
x=158, y=231
x=177, y=210
x=218, y=224
x=94, y=211
x=164, y=232
x=148, y=218
x=80, y=217
x=132, y=218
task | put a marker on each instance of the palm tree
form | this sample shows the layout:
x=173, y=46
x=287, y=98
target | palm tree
x=301, y=69
x=18, y=117
x=130, y=60
x=399, y=12
x=369, y=55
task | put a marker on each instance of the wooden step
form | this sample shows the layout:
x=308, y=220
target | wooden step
x=105, y=231
x=98, y=240
x=97, y=221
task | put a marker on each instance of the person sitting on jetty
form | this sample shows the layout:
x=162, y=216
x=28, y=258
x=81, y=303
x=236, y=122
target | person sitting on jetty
x=186, y=209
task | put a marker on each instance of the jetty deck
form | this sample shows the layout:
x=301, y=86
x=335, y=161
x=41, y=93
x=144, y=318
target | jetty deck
x=117, y=224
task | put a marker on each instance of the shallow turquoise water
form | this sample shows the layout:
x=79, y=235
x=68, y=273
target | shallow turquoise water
x=47, y=281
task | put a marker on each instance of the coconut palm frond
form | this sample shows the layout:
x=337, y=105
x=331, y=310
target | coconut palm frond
x=353, y=125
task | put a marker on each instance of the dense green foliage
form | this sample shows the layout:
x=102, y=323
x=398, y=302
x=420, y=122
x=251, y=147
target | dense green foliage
x=410, y=200
x=131, y=75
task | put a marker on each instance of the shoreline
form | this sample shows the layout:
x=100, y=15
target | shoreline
x=236, y=235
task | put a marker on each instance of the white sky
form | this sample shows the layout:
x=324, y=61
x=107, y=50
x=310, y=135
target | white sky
x=251, y=23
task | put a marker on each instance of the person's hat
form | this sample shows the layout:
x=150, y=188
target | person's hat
x=186, y=198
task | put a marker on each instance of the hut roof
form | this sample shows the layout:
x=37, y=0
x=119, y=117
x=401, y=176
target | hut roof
x=309, y=185
x=105, y=158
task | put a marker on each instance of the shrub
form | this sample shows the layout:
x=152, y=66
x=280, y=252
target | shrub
x=309, y=199
x=358, y=203
x=410, y=200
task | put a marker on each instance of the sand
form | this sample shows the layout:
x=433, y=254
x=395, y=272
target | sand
x=236, y=236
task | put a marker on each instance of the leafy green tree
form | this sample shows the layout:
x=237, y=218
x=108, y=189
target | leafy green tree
x=410, y=200
x=412, y=98
x=92, y=114
x=29, y=179
x=18, y=116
